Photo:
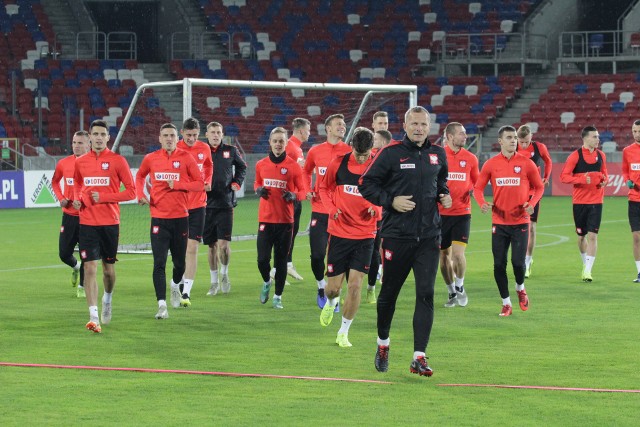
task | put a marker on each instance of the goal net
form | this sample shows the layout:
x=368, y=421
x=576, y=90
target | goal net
x=248, y=111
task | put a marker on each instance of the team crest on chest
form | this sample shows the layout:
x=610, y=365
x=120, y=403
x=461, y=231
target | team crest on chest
x=517, y=169
x=433, y=159
x=200, y=156
x=226, y=154
x=283, y=171
x=105, y=166
x=176, y=165
x=463, y=163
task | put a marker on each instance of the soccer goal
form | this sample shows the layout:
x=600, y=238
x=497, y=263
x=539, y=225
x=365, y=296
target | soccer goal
x=248, y=111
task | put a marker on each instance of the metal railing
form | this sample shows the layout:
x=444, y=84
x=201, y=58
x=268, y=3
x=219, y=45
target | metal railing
x=206, y=45
x=495, y=46
x=492, y=48
x=97, y=45
x=212, y=45
x=605, y=47
x=595, y=44
x=122, y=45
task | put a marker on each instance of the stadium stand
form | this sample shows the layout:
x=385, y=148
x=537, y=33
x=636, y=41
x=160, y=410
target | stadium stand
x=606, y=100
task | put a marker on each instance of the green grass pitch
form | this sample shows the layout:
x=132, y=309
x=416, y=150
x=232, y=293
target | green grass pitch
x=575, y=335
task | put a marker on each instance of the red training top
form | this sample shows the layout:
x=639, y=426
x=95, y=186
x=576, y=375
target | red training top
x=294, y=149
x=64, y=171
x=278, y=177
x=544, y=155
x=583, y=193
x=104, y=174
x=339, y=190
x=201, y=152
x=512, y=180
x=463, y=174
x=165, y=202
x=631, y=169
x=318, y=159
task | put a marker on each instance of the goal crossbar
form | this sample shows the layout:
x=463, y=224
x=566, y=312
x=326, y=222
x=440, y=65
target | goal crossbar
x=188, y=83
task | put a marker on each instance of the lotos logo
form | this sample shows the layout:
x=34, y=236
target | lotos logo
x=105, y=166
x=322, y=171
x=69, y=182
x=457, y=176
x=274, y=183
x=508, y=182
x=97, y=181
x=352, y=189
x=635, y=166
x=166, y=176
x=433, y=159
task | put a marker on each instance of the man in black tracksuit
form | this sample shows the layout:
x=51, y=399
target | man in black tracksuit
x=408, y=179
x=229, y=170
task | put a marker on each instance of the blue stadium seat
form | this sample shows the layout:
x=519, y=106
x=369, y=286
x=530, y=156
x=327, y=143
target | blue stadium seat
x=606, y=135
x=477, y=109
x=136, y=121
x=486, y=99
x=442, y=118
x=232, y=130
x=617, y=107
x=233, y=111
x=580, y=88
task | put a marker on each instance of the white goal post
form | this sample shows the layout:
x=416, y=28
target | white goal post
x=246, y=124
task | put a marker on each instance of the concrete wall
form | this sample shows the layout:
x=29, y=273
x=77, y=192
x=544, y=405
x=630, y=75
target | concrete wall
x=545, y=21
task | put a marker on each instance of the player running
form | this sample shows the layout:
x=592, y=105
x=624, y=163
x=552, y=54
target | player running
x=537, y=152
x=352, y=228
x=586, y=169
x=97, y=179
x=70, y=228
x=277, y=177
x=513, y=177
x=229, y=170
x=456, y=221
x=173, y=174
x=196, y=202
x=318, y=158
x=631, y=174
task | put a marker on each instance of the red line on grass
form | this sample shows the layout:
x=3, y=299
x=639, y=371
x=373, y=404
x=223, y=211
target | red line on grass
x=180, y=371
x=539, y=387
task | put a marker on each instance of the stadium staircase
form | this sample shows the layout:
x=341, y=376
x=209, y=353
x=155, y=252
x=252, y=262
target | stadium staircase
x=535, y=86
x=64, y=24
x=171, y=97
